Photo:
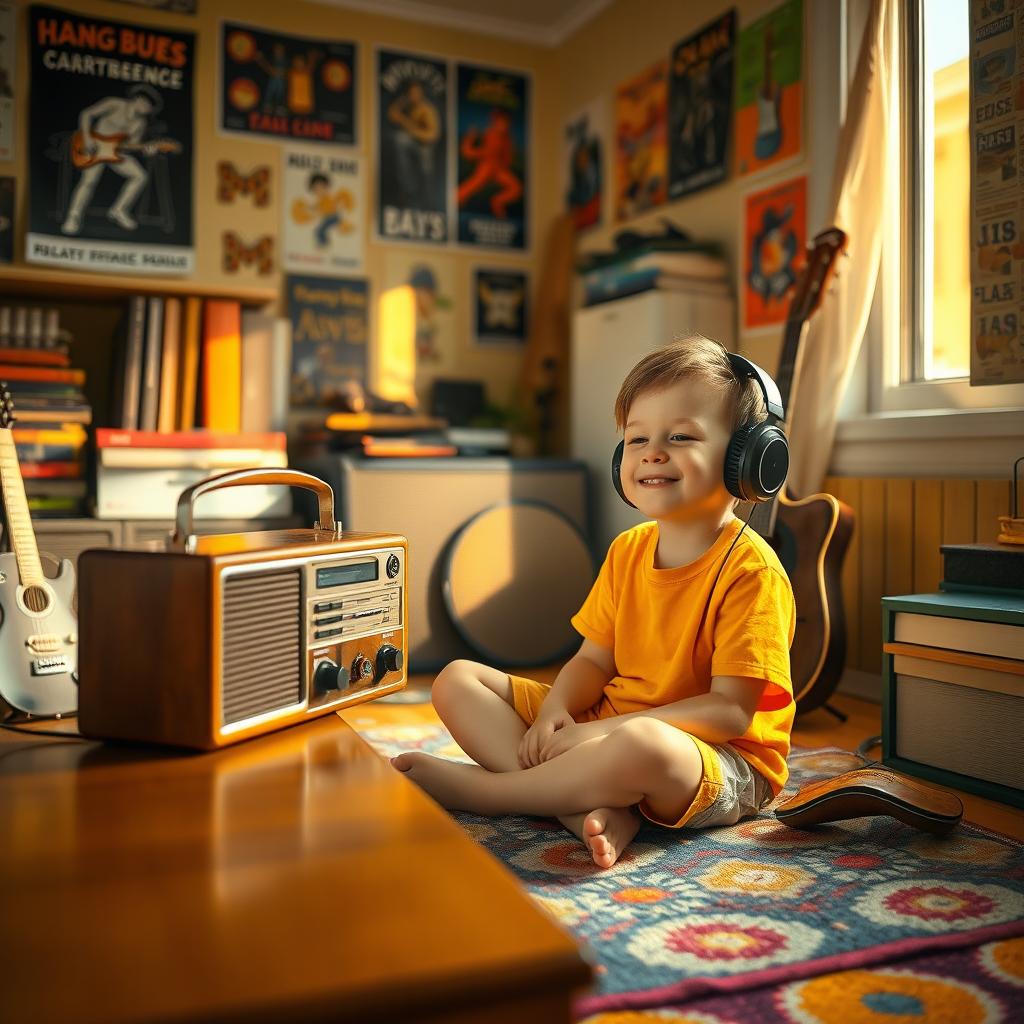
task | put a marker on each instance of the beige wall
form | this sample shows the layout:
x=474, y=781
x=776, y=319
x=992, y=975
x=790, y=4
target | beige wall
x=497, y=365
x=624, y=39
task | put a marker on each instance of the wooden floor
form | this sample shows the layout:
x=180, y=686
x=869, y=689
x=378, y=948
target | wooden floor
x=817, y=729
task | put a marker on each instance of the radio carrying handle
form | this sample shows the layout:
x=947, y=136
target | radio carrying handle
x=183, y=539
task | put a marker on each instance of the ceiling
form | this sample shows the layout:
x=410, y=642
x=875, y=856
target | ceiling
x=542, y=22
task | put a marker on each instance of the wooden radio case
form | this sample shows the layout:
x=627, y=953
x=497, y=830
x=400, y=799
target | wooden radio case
x=220, y=638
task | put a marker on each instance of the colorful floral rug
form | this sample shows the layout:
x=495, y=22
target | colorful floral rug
x=978, y=985
x=684, y=915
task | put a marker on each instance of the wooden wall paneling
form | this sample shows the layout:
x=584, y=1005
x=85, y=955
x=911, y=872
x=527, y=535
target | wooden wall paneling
x=927, y=535
x=872, y=572
x=899, y=536
x=993, y=499
x=958, y=508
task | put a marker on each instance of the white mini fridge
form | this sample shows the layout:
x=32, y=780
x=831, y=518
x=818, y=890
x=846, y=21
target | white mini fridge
x=607, y=341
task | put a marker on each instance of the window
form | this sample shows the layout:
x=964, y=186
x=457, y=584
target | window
x=924, y=362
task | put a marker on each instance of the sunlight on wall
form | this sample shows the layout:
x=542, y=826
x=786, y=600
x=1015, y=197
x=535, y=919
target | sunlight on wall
x=393, y=374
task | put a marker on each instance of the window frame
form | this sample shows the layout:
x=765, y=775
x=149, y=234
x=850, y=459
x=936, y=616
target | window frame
x=898, y=356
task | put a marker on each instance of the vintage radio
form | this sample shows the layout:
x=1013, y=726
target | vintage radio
x=219, y=638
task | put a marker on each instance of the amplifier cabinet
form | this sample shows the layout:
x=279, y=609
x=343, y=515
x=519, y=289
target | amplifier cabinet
x=429, y=501
x=238, y=634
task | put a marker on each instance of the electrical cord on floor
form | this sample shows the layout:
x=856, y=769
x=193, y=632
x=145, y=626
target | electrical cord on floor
x=25, y=729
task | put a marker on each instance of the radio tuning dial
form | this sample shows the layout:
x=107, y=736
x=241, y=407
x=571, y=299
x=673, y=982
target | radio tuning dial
x=361, y=668
x=328, y=676
x=392, y=567
x=389, y=659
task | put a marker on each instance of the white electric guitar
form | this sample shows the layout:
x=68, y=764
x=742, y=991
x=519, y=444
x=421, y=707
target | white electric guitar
x=38, y=628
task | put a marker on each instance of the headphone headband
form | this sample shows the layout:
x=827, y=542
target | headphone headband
x=744, y=368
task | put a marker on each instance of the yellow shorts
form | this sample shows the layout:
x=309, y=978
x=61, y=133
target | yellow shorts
x=730, y=789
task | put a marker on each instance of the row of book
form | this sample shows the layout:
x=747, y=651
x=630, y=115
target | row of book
x=183, y=364
x=31, y=327
x=51, y=410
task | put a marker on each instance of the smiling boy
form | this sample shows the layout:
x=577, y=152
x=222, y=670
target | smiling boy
x=678, y=705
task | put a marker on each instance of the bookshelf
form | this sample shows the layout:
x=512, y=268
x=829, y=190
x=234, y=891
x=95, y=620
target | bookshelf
x=55, y=285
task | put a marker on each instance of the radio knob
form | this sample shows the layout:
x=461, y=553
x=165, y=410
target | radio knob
x=389, y=659
x=361, y=668
x=328, y=676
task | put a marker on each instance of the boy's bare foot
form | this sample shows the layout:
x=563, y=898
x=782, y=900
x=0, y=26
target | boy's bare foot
x=605, y=832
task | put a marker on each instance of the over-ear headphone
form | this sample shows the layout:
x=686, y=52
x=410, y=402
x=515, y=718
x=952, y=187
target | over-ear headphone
x=757, y=456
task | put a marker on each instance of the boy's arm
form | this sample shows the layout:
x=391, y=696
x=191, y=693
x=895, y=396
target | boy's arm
x=719, y=716
x=579, y=686
x=582, y=679
x=716, y=717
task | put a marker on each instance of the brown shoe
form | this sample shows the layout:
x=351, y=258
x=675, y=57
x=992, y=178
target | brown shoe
x=872, y=791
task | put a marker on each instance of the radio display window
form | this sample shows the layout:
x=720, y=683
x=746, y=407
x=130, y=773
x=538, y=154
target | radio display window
x=339, y=575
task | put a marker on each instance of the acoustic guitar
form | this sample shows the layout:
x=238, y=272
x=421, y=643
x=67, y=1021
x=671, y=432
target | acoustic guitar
x=109, y=149
x=810, y=535
x=38, y=628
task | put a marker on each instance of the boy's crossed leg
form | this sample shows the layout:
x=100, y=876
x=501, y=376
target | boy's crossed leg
x=591, y=788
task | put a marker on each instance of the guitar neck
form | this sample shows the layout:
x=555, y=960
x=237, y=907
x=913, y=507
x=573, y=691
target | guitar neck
x=19, y=522
x=787, y=361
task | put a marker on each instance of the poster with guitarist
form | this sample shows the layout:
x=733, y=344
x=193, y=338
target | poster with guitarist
x=769, y=89
x=110, y=145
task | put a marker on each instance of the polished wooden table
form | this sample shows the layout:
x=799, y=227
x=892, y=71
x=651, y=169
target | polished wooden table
x=293, y=877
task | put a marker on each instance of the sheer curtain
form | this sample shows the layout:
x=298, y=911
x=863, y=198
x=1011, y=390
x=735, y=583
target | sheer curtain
x=857, y=205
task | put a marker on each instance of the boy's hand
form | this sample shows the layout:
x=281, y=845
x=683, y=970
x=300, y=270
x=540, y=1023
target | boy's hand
x=571, y=736
x=549, y=721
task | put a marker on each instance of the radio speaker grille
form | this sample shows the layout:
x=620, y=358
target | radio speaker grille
x=262, y=654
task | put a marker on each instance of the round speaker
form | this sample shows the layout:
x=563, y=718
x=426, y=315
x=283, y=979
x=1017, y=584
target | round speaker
x=513, y=576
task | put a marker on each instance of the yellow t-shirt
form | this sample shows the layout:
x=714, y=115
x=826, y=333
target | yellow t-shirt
x=666, y=648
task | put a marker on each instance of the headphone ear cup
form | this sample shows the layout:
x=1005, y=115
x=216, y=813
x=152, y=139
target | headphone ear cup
x=733, y=472
x=617, y=472
x=756, y=462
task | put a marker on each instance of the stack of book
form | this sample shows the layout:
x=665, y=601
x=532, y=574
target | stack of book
x=669, y=264
x=50, y=409
x=141, y=473
x=376, y=435
x=183, y=364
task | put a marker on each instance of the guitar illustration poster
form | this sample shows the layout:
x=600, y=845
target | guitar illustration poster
x=412, y=139
x=493, y=145
x=774, y=243
x=110, y=145
x=290, y=87
x=769, y=89
x=700, y=107
x=323, y=209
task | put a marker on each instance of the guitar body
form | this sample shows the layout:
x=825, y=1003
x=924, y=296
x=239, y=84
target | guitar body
x=106, y=151
x=38, y=650
x=811, y=537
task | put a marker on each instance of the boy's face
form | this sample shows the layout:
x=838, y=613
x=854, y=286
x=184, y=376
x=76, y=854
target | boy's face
x=672, y=466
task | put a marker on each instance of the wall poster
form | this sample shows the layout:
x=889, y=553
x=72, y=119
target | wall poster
x=641, y=155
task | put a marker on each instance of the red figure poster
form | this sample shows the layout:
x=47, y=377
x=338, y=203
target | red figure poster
x=493, y=138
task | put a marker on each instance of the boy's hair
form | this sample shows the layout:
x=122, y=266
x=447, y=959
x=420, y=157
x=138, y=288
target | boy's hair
x=698, y=358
